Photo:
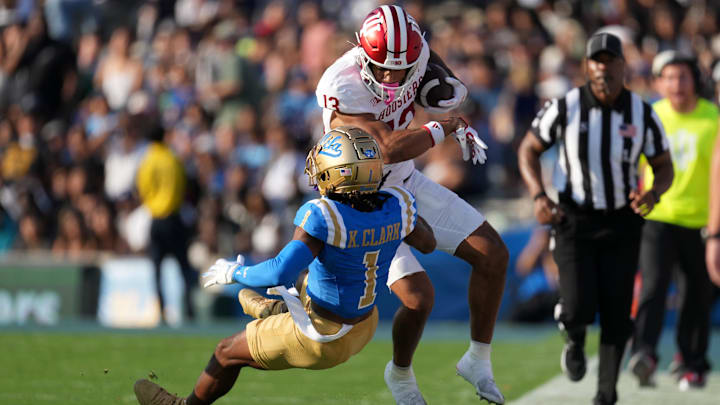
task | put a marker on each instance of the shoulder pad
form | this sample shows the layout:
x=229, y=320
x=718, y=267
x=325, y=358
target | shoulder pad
x=321, y=219
x=408, y=209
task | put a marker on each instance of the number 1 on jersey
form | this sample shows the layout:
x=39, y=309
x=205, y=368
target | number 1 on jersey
x=370, y=262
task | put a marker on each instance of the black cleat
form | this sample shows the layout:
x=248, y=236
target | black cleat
x=573, y=361
x=149, y=393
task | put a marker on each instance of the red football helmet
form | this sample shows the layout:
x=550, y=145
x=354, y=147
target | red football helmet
x=389, y=38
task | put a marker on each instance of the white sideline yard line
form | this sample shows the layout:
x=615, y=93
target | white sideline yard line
x=561, y=391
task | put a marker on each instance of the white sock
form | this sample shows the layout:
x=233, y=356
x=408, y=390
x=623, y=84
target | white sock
x=480, y=351
x=401, y=373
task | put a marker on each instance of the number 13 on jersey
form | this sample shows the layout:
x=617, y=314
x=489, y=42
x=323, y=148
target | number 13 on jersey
x=370, y=262
x=331, y=102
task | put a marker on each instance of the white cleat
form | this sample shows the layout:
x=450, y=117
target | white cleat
x=404, y=391
x=479, y=374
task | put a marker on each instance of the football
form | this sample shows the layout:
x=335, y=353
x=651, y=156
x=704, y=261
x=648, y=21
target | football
x=433, y=86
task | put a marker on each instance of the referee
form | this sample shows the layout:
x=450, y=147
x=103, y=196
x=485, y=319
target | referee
x=601, y=130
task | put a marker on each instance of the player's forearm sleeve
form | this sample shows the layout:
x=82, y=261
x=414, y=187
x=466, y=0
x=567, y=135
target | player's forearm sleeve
x=282, y=269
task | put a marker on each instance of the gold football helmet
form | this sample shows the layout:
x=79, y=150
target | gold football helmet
x=346, y=160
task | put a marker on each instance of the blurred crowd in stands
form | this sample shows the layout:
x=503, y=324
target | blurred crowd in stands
x=232, y=83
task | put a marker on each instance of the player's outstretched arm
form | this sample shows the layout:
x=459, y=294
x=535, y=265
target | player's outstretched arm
x=422, y=237
x=401, y=144
x=282, y=269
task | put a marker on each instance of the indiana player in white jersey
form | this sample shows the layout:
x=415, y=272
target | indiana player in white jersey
x=373, y=86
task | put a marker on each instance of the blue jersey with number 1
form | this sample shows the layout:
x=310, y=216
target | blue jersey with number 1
x=358, y=249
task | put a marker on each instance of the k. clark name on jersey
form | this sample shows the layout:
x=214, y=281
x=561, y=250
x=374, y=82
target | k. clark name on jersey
x=386, y=234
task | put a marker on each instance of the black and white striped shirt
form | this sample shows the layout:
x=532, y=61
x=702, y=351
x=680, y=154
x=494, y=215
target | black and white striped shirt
x=599, y=146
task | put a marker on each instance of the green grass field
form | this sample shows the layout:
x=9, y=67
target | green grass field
x=100, y=367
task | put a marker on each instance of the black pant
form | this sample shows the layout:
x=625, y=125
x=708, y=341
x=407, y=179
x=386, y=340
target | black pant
x=168, y=236
x=666, y=247
x=597, y=255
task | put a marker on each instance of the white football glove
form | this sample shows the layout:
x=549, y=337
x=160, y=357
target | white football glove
x=459, y=94
x=471, y=144
x=222, y=271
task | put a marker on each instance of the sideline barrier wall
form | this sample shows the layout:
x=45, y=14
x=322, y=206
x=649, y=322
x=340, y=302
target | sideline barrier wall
x=44, y=291
x=119, y=291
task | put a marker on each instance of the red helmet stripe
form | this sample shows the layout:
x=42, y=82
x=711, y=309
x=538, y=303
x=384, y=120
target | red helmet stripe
x=398, y=31
x=403, y=31
x=389, y=30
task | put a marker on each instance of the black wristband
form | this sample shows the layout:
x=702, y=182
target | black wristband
x=538, y=195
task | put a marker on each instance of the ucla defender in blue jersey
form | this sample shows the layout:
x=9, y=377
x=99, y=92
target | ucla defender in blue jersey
x=346, y=239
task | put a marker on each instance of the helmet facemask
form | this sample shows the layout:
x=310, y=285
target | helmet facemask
x=390, y=39
x=386, y=92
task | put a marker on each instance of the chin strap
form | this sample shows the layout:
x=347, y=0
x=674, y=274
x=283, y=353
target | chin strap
x=382, y=181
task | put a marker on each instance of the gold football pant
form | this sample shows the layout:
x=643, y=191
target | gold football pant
x=276, y=343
